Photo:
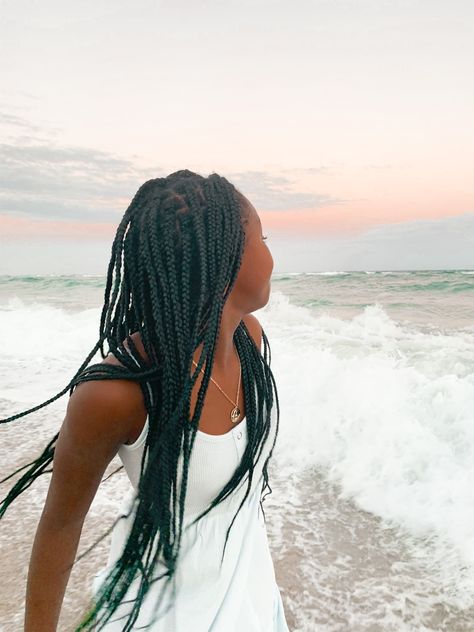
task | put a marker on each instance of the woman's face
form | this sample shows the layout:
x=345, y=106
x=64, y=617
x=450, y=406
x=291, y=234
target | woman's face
x=252, y=286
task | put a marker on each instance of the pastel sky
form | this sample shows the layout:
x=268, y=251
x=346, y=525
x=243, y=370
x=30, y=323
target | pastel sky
x=347, y=123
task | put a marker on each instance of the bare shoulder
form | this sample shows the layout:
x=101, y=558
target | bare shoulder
x=255, y=329
x=106, y=410
x=101, y=411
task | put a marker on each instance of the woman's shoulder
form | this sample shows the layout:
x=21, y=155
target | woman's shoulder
x=107, y=409
x=103, y=410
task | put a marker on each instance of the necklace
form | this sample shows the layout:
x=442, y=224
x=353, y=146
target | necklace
x=235, y=412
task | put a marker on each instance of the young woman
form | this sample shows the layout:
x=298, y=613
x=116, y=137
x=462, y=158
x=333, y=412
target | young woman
x=188, y=401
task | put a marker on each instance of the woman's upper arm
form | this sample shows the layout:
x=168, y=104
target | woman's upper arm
x=97, y=422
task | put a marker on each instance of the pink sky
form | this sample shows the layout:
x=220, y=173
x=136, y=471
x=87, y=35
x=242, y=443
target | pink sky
x=314, y=222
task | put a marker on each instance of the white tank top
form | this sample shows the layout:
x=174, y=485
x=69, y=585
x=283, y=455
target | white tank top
x=213, y=461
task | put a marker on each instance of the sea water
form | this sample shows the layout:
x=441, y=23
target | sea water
x=371, y=519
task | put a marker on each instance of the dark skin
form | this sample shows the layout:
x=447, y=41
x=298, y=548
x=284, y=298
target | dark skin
x=102, y=415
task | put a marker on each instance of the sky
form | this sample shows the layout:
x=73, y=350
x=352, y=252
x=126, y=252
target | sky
x=347, y=123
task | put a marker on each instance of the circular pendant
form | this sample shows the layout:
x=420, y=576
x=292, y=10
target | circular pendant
x=234, y=415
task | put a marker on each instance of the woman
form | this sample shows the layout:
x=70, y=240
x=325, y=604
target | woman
x=185, y=397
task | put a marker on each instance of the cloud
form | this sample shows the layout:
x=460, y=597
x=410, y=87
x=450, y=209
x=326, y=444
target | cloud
x=421, y=233
x=41, y=179
x=423, y=244
x=12, y=120
x=276, y=192
x=312, y=170
x=415, y=245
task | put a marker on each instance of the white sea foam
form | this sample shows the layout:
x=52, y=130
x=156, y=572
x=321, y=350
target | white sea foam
x=44, y=345
x=388, y=413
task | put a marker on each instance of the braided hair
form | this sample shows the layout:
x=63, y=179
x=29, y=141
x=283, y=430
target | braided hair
x=175, y=258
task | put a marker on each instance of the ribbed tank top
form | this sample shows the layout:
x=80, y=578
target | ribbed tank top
x=213, y=461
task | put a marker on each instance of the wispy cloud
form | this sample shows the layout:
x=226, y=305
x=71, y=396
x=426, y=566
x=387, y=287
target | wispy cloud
x=423, y=234
x=12, y=120
x=277, y=192
x=41, y=179
x=422, y=244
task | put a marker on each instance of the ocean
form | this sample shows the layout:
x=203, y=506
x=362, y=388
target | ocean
x=371, y=519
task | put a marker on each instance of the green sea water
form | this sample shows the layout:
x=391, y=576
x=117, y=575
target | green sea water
x=427, y=298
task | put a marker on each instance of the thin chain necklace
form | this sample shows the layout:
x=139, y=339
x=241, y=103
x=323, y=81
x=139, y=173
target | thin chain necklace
x=235, y=412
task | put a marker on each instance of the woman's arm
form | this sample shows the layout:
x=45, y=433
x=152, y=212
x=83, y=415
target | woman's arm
x=98, y=420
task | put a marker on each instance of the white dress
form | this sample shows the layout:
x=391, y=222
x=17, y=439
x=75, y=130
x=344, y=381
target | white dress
x=240, y=596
